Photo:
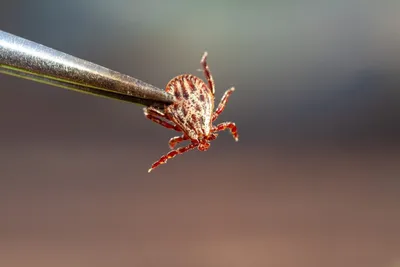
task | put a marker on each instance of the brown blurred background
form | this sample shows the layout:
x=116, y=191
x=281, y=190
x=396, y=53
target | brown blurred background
x=313, y=181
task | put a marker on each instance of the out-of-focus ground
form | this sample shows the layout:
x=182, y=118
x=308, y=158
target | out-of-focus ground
x=313, y=181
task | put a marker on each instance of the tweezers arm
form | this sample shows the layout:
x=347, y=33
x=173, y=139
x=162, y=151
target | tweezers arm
x=27, y=59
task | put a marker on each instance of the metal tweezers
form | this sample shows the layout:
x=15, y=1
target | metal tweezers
x=26, y=59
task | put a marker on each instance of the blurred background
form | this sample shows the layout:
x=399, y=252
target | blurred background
x=313, y=181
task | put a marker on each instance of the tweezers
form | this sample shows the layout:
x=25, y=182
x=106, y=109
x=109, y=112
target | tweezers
x=26, y=59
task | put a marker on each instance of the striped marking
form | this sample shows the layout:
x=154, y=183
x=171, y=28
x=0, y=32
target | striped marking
x=191, y=85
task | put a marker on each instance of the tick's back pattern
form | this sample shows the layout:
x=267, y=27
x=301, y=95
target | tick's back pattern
x=191, y=113
x=193, y=107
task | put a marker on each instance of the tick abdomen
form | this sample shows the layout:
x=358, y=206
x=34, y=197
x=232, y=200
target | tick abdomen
x=193, y=108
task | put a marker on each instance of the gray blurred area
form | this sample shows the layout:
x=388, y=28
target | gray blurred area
x=313, y=181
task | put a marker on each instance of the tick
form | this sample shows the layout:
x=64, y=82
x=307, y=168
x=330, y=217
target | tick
x=192, y=113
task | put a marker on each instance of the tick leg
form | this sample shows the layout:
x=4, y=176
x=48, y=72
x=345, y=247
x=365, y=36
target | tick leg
x=222, y=104
x=207, y=73
x=227, y=125
x=154, y=115
x=172, y=154
x=154, y=111
x=177, y=139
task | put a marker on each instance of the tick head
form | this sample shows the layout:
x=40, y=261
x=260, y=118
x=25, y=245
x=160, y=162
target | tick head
x=203, y=145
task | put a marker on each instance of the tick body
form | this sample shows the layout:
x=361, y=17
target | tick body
x=192, y=113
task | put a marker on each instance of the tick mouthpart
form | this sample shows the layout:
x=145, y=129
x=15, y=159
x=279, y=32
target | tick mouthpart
x=204, y=145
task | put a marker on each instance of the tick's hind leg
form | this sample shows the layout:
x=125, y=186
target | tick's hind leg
x=155, y=114
x=177, y=139
x=227, y=125
x=222, y=104
x=171, y=155
x=207, y=73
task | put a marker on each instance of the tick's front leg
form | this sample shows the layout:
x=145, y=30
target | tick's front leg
x=177, y=139
x=172, y=154
x=154, y=115
x=227, y=125
x=222, y=104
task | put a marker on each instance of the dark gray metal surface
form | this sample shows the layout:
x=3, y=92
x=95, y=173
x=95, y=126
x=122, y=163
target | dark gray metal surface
x=30, y=60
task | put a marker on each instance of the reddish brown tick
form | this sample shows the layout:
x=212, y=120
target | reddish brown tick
x=191, y=113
